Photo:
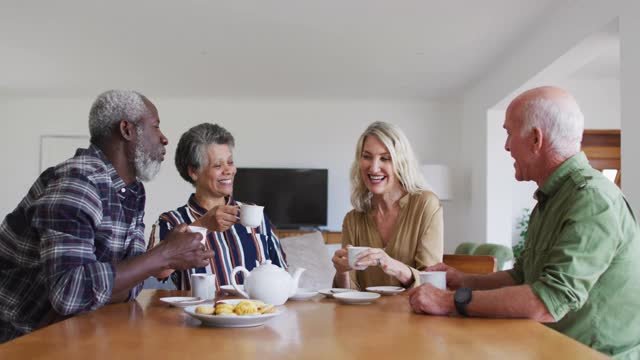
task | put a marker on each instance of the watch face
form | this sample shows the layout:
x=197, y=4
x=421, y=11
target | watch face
x=462, y=295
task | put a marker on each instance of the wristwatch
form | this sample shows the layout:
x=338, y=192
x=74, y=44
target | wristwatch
x=461, y=299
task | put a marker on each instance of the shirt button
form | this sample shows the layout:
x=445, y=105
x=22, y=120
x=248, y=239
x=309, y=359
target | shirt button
x=123, y=190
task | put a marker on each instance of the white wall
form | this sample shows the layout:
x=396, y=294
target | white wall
x=599, y=100
x=269, y=133
x=499, y=178
x=571, y=23
x=630, y=95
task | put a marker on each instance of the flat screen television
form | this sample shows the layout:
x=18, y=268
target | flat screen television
x=292, y=198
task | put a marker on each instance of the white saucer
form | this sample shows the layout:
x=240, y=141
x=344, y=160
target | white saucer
x=182, y=301
x=303, y=294
x=386, y=290
x=230, y=290
x=356, y=297
x=331, y=292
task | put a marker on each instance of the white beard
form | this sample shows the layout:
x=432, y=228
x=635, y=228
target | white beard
x=146, y=168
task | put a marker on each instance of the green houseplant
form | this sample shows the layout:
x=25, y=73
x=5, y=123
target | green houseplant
x=522, y=226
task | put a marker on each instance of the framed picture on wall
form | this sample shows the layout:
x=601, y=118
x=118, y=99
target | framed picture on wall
x=55, y=149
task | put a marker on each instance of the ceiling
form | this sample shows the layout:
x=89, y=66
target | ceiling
x=410, y=49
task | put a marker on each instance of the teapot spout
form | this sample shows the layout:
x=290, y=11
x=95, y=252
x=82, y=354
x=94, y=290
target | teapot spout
x=296, y=279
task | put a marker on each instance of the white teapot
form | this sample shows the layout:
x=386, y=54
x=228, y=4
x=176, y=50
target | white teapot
x=267, y=282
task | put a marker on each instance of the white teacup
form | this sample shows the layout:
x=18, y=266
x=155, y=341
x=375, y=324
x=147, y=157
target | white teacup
x=435, y=278
x=353, y=253
x=198, y=229
x=203, y=286
x=251, y=215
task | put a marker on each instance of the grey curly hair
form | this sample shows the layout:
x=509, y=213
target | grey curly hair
x=110, y=108
x=192, y=147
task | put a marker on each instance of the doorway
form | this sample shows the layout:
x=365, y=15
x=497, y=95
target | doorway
x=602, y=148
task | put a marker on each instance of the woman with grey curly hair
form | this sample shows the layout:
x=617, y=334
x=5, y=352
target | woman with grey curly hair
x=204, y=158
x=394, y=215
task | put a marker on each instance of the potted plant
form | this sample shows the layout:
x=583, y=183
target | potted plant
x=522, y=225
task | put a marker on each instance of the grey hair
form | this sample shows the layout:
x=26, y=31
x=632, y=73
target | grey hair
x=110, y=108
x=561, y=122
x=405, y=163
x=193, y=144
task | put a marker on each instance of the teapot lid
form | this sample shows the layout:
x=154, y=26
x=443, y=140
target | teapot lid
x=266, y=266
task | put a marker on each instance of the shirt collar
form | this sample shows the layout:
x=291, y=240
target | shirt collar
x=199, y=210
x=116, y=180
x=404, y=200
x=195, y=207
x=560, y=175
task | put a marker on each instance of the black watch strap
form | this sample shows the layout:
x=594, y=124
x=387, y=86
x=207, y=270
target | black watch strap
x=461, y=299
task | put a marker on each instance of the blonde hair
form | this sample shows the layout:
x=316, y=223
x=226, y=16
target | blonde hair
x=405, y=164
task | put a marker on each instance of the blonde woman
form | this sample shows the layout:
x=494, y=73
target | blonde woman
x=394, y=214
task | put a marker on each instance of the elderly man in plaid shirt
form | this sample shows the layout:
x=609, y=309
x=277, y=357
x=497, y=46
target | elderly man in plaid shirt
x=76, y=240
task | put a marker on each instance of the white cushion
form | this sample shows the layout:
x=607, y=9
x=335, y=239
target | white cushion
x=331, y=249
x=308, y=251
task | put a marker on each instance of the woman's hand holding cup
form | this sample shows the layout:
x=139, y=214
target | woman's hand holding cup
x=340, y=261
x=220, y=218
x=378, y=257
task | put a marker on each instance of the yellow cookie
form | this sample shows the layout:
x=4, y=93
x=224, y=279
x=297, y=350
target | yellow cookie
x=226, y=313
x=246, y=308
x=224, y=309
x=267, y=309
x=206, y=310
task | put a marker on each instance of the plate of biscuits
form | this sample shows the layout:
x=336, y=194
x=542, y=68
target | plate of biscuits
x=234, y=313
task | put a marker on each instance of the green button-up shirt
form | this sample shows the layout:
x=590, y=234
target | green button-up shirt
x=582, y=259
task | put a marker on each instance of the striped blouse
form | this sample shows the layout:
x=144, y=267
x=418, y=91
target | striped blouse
x=238, y=246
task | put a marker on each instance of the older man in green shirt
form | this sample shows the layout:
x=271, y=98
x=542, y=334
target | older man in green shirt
x=579, y=272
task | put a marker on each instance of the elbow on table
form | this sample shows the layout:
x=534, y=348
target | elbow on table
x=64, y=305
x=72, y=297
x=542, y=314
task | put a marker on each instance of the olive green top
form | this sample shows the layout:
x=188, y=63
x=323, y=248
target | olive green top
x=582, y=259
x=417, y=238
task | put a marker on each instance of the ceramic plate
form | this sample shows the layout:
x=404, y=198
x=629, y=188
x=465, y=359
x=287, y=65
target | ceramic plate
x=231, y=291
x=182, y=301
x=330, y=292
x=234, y=321
x=386, y=290
x=303, y=294
x=356, y=297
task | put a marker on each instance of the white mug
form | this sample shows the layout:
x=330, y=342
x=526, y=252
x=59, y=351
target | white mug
x=435, y=278
x=353, y=253
x=202, y=230
x=251, y=215
x=203, y=286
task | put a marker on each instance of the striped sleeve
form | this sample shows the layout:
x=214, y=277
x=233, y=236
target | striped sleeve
x=167, y=221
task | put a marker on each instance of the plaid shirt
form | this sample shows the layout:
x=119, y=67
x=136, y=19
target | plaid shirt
x=59, y=246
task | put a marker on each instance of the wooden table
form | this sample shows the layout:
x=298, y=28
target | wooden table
x=317, y=329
